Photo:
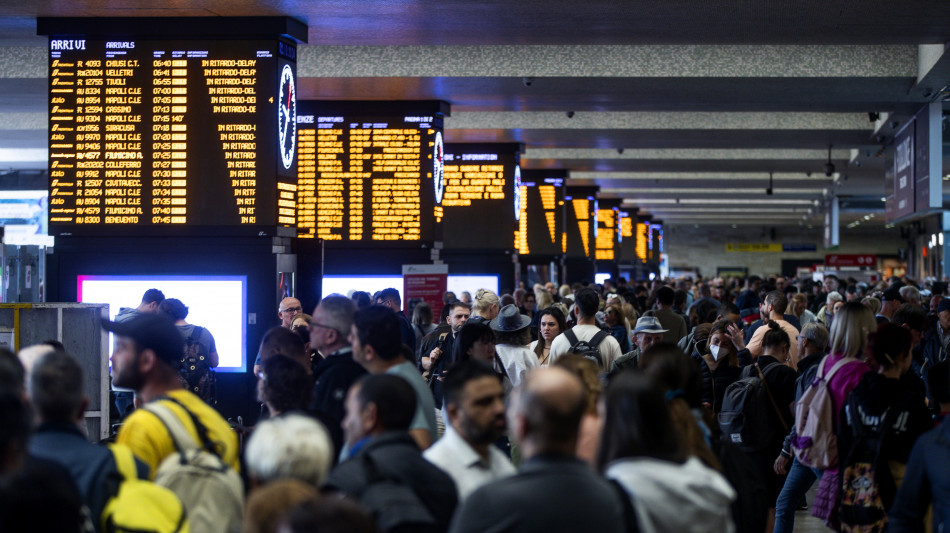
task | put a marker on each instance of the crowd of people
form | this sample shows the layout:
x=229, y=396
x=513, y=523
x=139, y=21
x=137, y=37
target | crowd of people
x=679, y=405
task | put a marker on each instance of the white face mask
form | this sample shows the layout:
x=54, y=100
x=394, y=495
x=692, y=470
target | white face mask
x=714, y=351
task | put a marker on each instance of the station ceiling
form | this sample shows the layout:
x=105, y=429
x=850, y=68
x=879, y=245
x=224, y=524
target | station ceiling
x=681, y=108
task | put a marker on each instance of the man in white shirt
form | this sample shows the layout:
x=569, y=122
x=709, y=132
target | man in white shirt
x=586, y=304
x=475, y=403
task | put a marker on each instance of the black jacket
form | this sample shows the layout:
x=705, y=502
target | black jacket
x=397, y=458
x=781, y=384
x=549, y=494
x=905, y=404
x=440, y=337
x=715, y=383
x=332, y=377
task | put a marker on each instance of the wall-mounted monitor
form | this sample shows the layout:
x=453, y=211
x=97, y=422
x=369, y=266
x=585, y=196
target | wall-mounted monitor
x=23, y=216
x=218, y=303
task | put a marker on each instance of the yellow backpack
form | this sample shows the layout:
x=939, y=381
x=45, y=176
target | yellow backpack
x=141, y=506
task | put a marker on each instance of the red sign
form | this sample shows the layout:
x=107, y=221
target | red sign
x=424, y=283
x=851, y=260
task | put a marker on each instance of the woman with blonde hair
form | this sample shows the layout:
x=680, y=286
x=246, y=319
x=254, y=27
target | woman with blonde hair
x=543, y=298
x=485, y=306
x=846, y=366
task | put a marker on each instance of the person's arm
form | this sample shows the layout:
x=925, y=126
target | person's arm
x=755, y=344
x=422, y=437
x=914, y=495
x=212, y=351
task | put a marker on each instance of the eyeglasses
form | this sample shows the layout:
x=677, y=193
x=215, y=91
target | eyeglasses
x=317, y=325
x=291, y=309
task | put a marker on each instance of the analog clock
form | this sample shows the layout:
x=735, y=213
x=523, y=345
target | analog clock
x=287, y=117
x=438, y=168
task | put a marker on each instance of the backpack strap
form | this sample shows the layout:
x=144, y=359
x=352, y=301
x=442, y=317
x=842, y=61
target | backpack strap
x=598, y=338
x=124, y=461
x=570, y=336
x=769, y=392
x=834, y=369
x=176, y=428
x=195, y=335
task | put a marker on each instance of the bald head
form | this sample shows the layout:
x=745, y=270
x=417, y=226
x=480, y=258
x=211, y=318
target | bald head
x=289, y=308
x=546, y=411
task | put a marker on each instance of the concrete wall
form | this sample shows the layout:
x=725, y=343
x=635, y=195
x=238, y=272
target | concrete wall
x=705, y=247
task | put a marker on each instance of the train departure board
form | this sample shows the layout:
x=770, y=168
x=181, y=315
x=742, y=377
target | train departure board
x=369, y=171
x=605, y=246
x=163, y=133
x=580, y=221
x=626, y=226
x=482, y=203
x=643, y=240
x=541, y=223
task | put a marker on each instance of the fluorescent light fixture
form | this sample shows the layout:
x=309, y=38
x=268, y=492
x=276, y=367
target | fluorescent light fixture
x=24, y=155
x=710, y=201
x=764, y=211
x=696, y=176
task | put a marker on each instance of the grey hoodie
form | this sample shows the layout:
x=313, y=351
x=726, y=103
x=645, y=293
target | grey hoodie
x=672, y=497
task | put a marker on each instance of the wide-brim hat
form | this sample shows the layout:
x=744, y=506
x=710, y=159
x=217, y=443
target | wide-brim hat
x=509, y=319
x=154, y=331
x=648, y=324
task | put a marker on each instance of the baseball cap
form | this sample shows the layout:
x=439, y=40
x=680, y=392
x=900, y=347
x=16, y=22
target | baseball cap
x=648, y=324
x=154, y=331
x=944, y=305
x=892, y=294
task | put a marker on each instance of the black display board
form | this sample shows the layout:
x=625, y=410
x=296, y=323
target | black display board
x=579, y=220
x=370, y=171
x=482, y=203
x=607, y=237
x=541, y=225
x=147, y=134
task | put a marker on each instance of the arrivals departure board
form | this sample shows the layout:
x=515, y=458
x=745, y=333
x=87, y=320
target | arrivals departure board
x=580, y=221
x=605, y=245
x=163, y=133
x=482, y=202
x=626, y=226
x=541, y=223
x=369, y=171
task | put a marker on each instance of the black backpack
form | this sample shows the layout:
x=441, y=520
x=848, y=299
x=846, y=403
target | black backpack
x=745, y=418
x=867, y=486
x=194, y=372
x=587, y=349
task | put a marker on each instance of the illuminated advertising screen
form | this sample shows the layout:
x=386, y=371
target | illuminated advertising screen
x=482, y=203
x=541, y=223
x=23, y=215
x=369, y=171
x=164, y=133
x=345, y=285
x=217, y=303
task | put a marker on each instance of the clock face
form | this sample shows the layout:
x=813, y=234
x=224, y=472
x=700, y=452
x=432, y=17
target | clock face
x=287, y=117
x=438, y=170
x=517, y=194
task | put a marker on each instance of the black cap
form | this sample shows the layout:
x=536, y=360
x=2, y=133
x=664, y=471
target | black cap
x=154, y=331
x=892, y=294
x=944, y=305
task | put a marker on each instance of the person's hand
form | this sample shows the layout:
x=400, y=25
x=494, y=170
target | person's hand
x=781, y=465
x=435, y=354
x=734, y=334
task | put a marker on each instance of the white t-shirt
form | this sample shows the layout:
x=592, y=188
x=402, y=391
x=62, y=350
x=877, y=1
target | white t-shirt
x=609, y=348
